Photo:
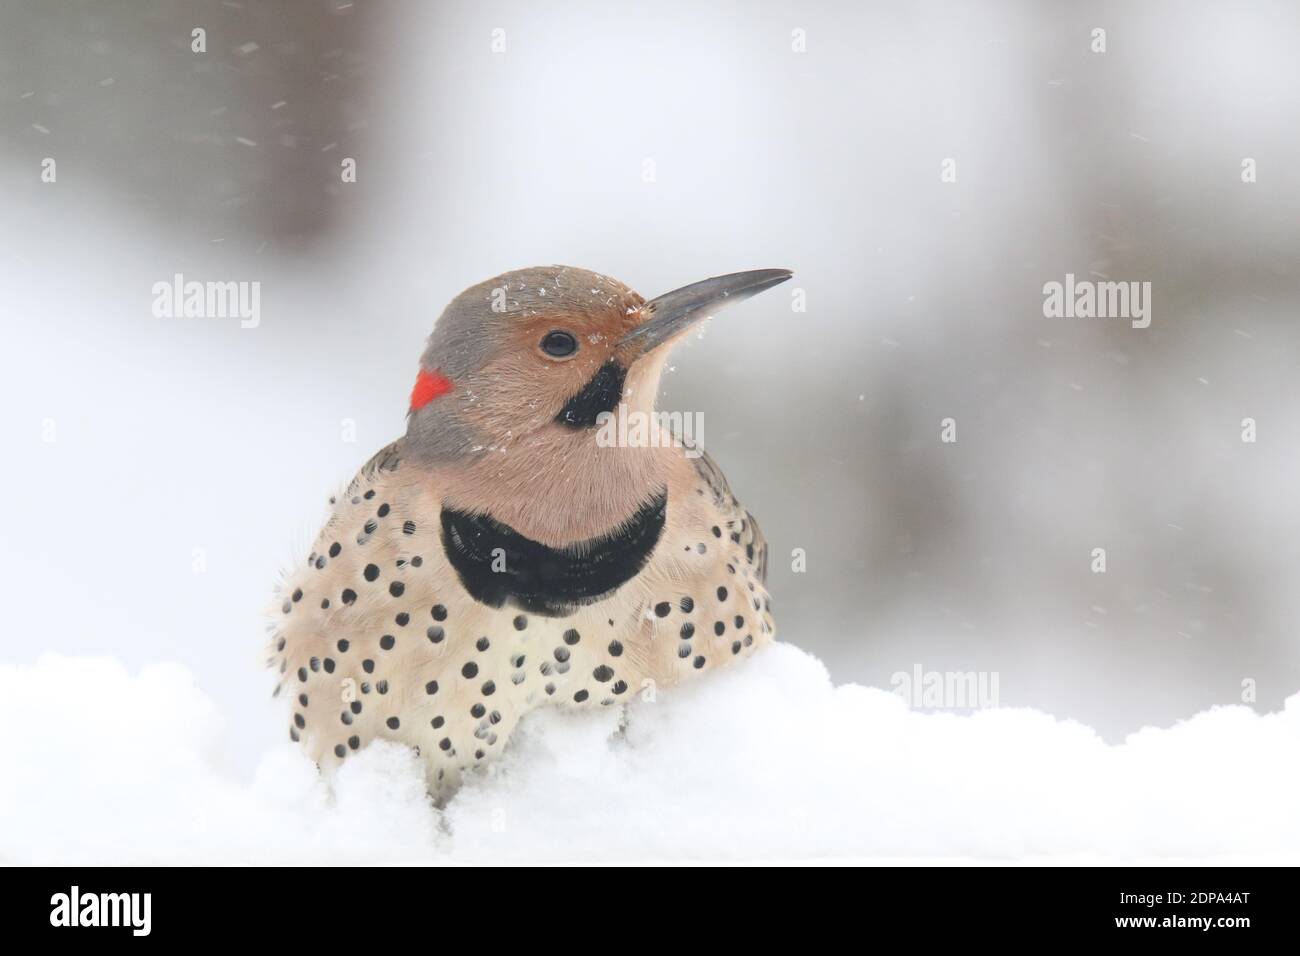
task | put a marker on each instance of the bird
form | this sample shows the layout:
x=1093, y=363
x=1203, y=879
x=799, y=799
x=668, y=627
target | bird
x=534, y=538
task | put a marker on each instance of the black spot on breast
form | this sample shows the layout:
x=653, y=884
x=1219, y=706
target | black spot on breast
x=543, y=580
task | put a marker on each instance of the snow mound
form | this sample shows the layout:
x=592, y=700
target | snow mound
x=766, y=760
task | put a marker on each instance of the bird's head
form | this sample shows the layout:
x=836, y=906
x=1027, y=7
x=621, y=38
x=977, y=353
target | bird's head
x=544, y=351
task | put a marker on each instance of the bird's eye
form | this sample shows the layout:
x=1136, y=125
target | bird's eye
x=559, y=344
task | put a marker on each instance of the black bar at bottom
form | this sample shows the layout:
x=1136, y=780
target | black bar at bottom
x=1150, y=904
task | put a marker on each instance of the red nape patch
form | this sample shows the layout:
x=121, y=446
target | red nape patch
x=428, y=386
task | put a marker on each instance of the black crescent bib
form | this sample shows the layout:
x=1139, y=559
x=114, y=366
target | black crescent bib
x=496, y=564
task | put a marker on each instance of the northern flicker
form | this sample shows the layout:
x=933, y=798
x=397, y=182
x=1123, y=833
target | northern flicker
x=501, y=556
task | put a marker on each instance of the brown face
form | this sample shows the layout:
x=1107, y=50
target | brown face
x=551, y=349
x=543, y=363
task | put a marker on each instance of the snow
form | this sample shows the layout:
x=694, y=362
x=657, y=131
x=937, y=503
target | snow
x=766, y=760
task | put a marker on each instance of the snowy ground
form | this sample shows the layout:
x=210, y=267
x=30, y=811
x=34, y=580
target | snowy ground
x=766, y=761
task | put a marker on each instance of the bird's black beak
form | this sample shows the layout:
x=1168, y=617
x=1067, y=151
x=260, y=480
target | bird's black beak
x=669, y=315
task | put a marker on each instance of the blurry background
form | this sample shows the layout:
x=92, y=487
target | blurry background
x=160, y=471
